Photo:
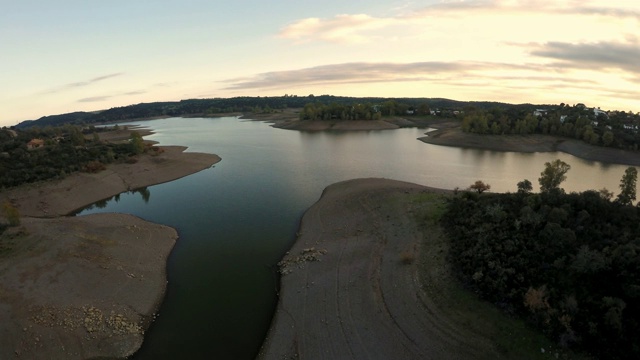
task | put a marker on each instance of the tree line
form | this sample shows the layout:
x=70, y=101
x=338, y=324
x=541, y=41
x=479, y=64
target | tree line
x=209, y=107
x=360, y=110
x=569, y=263
x=617, y=129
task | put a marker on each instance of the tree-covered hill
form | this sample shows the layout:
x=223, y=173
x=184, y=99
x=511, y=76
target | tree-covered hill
x=204, y=107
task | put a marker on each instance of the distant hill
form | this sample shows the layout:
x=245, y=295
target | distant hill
x=237, y=104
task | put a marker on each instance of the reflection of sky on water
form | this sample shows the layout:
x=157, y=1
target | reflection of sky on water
x=300, y=159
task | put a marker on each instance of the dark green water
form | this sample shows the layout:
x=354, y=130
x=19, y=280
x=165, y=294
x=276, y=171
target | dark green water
x=237, y=219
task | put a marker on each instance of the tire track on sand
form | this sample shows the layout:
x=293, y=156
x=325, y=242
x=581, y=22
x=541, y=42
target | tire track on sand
x=359, y=300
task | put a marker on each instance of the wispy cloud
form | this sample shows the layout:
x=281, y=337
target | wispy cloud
x=359, y=28
x=616, y=9
x=95, y=98
x=600, y=55
x=136, y=92
x=108, y=97
x=361, y=72
x=342, y=28
x=80, y=84
x=342, y=73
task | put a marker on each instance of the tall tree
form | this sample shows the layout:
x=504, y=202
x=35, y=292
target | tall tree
x=628, y=186
x=553, y=175
x=525, y=186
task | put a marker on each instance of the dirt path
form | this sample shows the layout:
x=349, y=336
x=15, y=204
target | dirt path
x=350, y=286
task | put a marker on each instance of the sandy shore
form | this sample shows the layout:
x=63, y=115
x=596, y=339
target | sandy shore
x=531, y=143
x=61, y=197
x=85, y=287
x=348, y=290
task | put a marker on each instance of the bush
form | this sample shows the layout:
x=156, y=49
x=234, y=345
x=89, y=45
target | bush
x=94, y=166
x=407, y=257
x=11, y=213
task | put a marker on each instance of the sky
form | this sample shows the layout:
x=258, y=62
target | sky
x=78, y=55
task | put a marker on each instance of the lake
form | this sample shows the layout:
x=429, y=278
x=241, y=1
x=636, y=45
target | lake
x=236, y=219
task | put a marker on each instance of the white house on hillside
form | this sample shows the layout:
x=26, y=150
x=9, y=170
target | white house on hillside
x=540, y=112
x=597, y=112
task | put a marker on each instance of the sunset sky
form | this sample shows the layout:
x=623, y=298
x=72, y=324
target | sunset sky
x=77, y=55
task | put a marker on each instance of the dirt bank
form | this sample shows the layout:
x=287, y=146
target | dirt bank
x=61, y=197
x=82, y=287
x=350, y=286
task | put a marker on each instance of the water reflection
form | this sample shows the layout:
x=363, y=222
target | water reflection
x=144, y=193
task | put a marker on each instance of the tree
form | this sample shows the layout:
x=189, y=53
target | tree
x=424, y=109
x=628, y=186
x=605, y=194
x=553, y=175
x=11, y=213
x=480, y=186
x=137, y=144
x=525, y=186
x=607, y=138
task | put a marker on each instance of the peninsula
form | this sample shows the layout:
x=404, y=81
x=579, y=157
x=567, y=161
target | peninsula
x=89, y=286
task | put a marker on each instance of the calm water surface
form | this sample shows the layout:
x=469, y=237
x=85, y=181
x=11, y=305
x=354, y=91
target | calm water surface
x=236, y=219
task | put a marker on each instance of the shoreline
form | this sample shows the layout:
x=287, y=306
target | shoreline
x=350, y=288
x=88, y=286
x=81, y=287
x=62, y=197
x=529, y=144
x=448, y=133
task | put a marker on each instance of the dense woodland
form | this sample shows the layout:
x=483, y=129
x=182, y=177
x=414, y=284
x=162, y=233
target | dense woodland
x=66, y=149
x=617, y=129
x=569, y=263
x=361, y=110
x=206, y=107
